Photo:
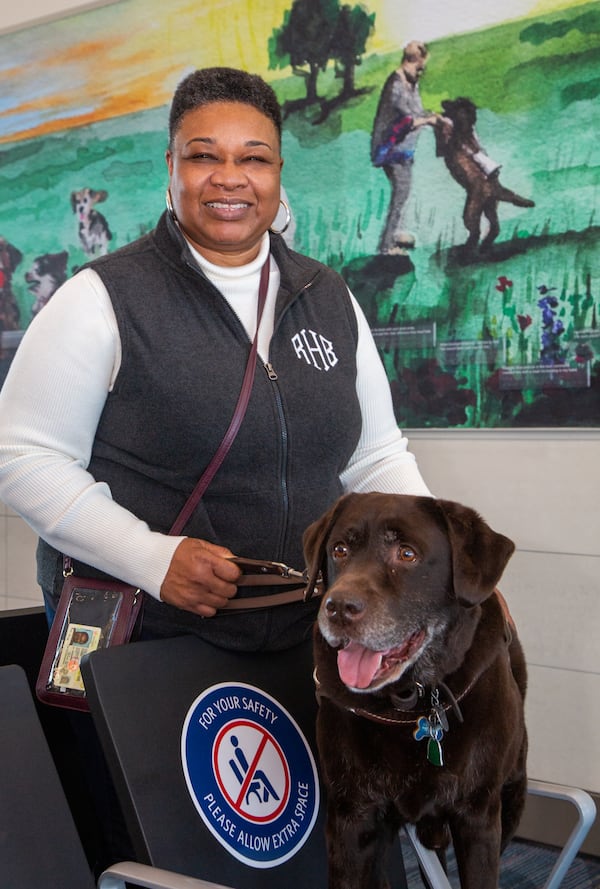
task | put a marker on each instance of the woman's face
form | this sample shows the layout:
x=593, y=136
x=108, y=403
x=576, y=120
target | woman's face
x=224, y=177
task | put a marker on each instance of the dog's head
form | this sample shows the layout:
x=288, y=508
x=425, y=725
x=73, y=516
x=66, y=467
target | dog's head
x=44, y=277
x=462, y=112
x=83, y=201
x=398, y=572
x=10, y=257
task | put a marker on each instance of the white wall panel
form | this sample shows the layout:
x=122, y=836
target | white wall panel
x=555, y=600
x=20, y=560
x=563, y=721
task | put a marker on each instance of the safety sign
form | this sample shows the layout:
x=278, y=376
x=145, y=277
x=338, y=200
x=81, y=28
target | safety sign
x=250, y=772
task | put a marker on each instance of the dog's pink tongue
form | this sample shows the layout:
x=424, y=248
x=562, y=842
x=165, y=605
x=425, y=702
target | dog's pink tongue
x=357, y=665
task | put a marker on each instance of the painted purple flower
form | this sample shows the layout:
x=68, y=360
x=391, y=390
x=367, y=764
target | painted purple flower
x=552, y=328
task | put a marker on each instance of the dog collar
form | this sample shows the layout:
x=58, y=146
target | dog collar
x=430, y=726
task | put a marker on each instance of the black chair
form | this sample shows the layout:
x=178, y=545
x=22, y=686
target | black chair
x=39, y=843
x=211, y=753
x=211, y=787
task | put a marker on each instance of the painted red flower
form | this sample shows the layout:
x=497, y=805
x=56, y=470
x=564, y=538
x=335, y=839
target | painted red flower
x=503, y=284
x=524, y=321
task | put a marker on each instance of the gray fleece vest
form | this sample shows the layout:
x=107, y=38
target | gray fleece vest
x=184, y=355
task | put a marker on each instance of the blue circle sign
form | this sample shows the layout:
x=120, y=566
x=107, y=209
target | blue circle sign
x=250, y=773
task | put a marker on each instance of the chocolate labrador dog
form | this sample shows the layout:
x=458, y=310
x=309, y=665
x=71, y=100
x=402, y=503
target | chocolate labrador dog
x=421, y=682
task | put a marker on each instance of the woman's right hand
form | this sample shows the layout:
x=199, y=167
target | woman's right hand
x=200, y=578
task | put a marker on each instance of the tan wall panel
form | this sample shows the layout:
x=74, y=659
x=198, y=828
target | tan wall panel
x=544, y=492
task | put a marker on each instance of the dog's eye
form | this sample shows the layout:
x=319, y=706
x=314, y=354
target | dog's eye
x=407, y=554
x=339, y=551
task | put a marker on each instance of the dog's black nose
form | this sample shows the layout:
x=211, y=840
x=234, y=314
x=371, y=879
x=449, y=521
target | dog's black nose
x=342, y=609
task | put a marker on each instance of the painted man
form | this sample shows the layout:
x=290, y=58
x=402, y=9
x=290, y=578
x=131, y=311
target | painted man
x=399, y=118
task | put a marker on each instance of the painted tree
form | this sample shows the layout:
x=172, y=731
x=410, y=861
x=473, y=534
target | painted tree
x=313, y=33
x=304, y=42
x=353, y=28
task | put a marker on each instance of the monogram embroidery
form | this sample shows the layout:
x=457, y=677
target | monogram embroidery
x=315, y=349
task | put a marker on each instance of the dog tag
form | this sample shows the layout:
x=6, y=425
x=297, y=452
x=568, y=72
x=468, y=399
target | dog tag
x=430, y=729
x=434, y=752
x=441, y=717
x=438, y=713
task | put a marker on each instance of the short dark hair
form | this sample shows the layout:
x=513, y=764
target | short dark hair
x=208, y=85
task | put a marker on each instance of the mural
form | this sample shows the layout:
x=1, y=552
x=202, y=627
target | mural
x=442, y=157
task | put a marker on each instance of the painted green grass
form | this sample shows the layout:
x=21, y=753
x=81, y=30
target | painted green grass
x=536, y=84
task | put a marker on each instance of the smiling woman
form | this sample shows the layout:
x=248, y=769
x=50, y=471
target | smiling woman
x=224, y=163
x=224, y=179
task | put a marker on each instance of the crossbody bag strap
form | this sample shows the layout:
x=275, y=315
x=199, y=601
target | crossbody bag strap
x=236, y=420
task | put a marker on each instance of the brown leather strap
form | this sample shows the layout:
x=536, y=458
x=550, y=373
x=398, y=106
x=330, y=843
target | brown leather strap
x=252, y=602
x=269, y=580
x=505, y=610
x=261, y=572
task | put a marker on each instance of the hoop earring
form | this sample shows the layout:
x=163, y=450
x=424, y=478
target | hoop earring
x=169, y=203
x=288, y=219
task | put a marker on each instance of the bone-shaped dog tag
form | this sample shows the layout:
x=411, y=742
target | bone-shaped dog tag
x=430, y=729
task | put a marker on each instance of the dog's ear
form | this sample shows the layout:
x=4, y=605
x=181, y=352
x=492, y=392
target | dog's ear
x=15, y=256
x=314, y=540
x=98, y=196
x=479, y=554
x=73, y=201
x=60, y=260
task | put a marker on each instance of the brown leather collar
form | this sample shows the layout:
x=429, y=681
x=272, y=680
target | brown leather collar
x=410, y=713
x=393, y=716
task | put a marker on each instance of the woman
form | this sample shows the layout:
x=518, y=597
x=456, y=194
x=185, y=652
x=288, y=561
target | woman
x=124, y=385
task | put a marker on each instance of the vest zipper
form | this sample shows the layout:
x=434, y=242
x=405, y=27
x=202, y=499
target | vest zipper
x=272, y=375
x=283, y=483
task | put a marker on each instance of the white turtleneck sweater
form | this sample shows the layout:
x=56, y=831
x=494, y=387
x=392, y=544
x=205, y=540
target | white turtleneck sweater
x=55, y=392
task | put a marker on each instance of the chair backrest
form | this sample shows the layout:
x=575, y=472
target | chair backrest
x=213, y=757
x=39, y=844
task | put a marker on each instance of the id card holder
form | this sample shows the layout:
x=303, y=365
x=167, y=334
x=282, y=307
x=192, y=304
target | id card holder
x=91, y=614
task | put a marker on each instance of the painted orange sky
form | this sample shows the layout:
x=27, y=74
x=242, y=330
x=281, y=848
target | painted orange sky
x=129, y=56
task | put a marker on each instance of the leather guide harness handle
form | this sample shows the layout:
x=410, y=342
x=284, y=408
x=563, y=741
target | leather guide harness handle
x=257, y=572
